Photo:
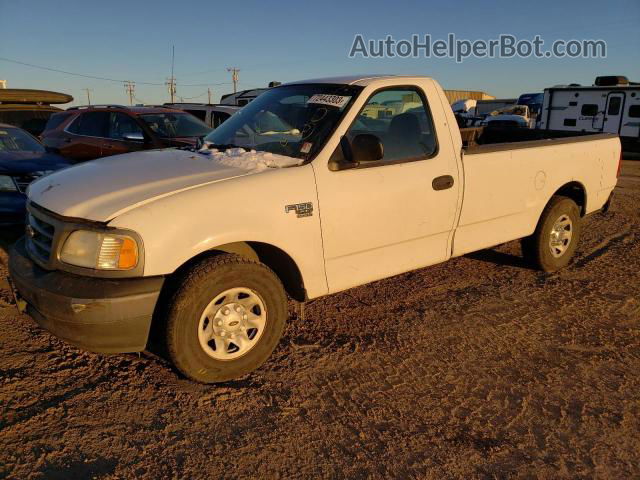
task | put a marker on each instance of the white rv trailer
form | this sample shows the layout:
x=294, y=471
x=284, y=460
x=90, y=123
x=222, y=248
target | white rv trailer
x=611, y=105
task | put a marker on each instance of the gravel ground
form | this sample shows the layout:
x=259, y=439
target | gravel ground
x=476, y=368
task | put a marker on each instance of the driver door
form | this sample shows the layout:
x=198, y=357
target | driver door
x=395, y=214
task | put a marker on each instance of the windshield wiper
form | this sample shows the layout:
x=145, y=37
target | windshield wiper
x=225, y=146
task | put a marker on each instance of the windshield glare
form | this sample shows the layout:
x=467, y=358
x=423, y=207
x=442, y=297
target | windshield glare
x=172, y=125
x=14, y=140
x=293, y=120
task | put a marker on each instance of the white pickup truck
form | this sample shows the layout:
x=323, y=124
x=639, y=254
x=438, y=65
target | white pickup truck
x=315, y=187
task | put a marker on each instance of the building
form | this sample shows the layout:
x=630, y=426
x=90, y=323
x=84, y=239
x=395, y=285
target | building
x=455, y=95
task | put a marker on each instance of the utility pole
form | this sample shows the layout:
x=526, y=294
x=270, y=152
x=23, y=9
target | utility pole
x=88, y=95
x=209, y=95
x=234, y=77
x=130, y=87
x=171, y=84
x=171, y=81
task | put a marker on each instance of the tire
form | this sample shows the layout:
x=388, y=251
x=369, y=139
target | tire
x=226, y=278
x=561, y=212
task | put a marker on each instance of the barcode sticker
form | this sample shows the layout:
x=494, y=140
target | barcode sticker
x=337, y=101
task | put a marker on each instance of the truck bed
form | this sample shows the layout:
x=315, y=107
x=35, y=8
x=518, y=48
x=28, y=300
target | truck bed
x=510, y=174
x=493, y=139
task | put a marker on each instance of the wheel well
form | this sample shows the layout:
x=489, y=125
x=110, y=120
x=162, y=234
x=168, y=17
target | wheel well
x=575, y=191
x=273, y=257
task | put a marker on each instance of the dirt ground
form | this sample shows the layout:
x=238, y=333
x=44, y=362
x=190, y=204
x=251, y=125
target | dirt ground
x=476, y=368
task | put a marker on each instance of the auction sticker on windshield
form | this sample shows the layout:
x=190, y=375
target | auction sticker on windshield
x=338, y=101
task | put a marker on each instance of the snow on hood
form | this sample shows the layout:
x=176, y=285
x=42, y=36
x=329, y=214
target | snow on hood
x=252, y=161
x=105, y=188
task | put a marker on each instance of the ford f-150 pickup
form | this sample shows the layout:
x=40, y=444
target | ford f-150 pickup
x=315, y=187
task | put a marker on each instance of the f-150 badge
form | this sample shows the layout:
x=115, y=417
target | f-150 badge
x=301, y=209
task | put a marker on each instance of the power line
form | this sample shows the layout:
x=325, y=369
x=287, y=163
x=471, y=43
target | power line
x=197, y=96
x=139, y=101
x=106, y=79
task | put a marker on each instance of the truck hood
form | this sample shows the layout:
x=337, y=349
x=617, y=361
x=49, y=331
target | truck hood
x=105, y=188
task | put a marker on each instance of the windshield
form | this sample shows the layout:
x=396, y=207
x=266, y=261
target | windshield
x=531, y=99
x=15, y=140
x=172, y=125
x=294, y=120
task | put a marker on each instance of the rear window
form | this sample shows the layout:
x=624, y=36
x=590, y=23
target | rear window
x=56, y=120
x=589, y=110
x=634, y=111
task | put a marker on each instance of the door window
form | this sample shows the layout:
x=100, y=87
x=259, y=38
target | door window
x=401, y=120
x=218, y=118
x=121, y=124
x=614, y=105
x=91, y=124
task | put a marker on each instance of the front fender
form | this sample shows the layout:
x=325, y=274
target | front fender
x=251, y=208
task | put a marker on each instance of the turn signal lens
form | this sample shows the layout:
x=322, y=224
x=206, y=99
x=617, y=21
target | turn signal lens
x=128, y=254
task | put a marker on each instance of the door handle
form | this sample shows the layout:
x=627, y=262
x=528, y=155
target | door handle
x=442, y=183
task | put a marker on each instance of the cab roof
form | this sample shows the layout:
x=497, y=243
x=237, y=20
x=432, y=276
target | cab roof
x=361, y=80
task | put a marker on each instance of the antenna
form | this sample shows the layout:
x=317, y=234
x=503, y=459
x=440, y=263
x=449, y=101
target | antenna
x=88, y=95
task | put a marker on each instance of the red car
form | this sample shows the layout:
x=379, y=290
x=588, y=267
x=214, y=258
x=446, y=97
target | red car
x=85, y=133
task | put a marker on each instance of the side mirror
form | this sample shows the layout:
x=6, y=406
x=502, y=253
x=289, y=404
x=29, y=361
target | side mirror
x=133, y=137
x=366, y=148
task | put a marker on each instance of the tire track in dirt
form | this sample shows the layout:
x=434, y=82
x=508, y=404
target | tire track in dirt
x=477, y=368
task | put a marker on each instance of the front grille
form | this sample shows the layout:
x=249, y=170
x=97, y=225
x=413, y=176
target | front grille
x=40, y=235
x=23, y=181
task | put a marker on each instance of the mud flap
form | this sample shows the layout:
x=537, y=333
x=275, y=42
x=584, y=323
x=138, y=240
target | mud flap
x=607, y=205
x=21, y=304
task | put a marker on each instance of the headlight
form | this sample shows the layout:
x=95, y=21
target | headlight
x=7, y=185
x=102, y=251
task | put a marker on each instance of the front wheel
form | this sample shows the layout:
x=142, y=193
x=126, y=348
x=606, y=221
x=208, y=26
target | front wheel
x=225, y=319
x=556, y=237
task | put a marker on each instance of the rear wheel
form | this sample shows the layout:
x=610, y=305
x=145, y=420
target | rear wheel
x=556, y=237
x=225, y=319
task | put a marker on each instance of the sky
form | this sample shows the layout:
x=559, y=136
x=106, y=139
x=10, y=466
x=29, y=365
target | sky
x=288, y=41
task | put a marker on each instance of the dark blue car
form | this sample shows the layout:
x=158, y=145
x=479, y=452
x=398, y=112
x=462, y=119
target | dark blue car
x=22, y=160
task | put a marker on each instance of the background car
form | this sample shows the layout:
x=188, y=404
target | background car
x=22, y=160
x=211, y=114
x=29, y=109
x=85, y=133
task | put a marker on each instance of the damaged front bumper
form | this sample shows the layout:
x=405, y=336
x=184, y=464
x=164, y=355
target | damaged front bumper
x=96, y=314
